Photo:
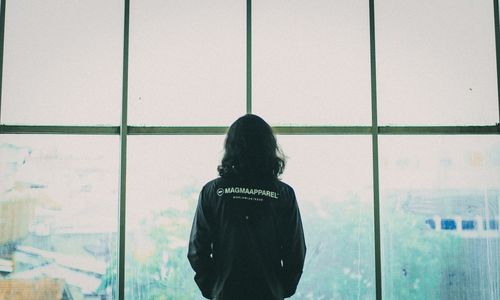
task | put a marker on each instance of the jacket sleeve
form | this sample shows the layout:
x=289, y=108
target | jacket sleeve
x=200, y=247
x=294, y=248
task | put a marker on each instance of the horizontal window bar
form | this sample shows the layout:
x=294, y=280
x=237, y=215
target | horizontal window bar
x=221, y=130
x=49, y=129
x=318, y=130
x=424, y=130
x=173, y=130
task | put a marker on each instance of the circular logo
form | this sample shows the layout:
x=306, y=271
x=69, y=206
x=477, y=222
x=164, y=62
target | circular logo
x=220, y=192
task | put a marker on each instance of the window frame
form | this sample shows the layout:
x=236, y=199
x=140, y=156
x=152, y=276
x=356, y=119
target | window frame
x=124, y=130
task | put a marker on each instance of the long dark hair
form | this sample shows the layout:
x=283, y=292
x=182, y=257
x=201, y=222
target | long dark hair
x=251, y=150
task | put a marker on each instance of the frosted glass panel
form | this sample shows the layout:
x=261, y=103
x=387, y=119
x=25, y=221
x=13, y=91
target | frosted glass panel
x=187, y=62
x=58, y=217
x=440, y=217
x=311, y=61
x=332, y=178
x=436, y=62
x=165, y=177
x=62, y=62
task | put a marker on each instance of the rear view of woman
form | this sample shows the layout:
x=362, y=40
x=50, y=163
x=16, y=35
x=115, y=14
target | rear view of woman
x=247, y=240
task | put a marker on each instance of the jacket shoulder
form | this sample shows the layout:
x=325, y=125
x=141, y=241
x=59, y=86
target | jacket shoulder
x=287, y=193
x=210, y=188
x=214, y=183
x=284, y=186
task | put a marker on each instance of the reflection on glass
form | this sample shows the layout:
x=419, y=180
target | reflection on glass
x=58, y=217
x=187, y=62
x=440, y=216
x=62, y=62
x=312, y=58
x=165, y=176
x=436, y=62
x=332, y=178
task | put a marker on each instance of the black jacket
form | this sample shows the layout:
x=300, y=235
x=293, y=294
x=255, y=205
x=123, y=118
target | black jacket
x=247, y=240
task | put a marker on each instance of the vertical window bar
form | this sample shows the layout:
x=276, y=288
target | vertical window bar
x=497, y=49
x=249, y=56
x=2, y=32
x=376, y=196
x=123, y=157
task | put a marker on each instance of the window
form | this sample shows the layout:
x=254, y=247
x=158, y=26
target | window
x=187, y=58
x=113, y=116
x=313, y=59
x=332, y=177
x=436, y=63
x=166, y=175
x=58, y=211
x=440, y=213
x=56, y=69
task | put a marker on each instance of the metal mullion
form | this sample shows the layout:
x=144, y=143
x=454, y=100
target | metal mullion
x=123, y=157
x=375, y=129
x=177, y=130
x=249, y=57
x=57, y=129
x=388, y=130
x=322, y=130
x=497, y=49
x=442, y=130
x=219, y=130
x=2, y=33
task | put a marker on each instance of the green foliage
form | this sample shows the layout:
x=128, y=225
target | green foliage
x=339, y=263
x=414, y=257
x=156, y=265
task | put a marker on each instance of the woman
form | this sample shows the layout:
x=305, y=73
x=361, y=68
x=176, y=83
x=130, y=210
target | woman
x=247, y=240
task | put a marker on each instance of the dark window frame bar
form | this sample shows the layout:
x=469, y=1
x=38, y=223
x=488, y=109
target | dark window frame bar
x=122, y=207
x=2, y=35
x=377, y=245
x=124, y=130
x=279, y=130
x=496, y=18
x=249, y=56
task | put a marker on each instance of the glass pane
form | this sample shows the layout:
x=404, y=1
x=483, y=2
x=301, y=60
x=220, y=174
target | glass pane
x=165, y=176
x=311, y=62
x=436, y=62
x=332, y=178
x=440, y=217
x=167, y=173
x=187, y=62
x=58, y=216
x=62, y=62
